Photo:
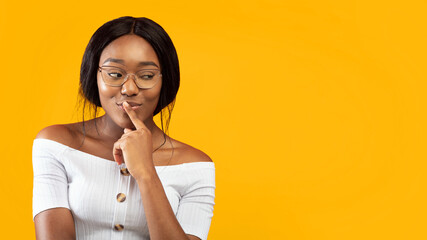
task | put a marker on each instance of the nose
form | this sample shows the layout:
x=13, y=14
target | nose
x=129, y=87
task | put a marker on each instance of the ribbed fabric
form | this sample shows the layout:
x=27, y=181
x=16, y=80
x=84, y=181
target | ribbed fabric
x=88, y=185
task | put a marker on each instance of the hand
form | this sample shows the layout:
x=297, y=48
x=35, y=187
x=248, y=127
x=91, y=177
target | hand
x=135, y=147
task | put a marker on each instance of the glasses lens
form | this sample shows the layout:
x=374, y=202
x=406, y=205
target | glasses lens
x=113, y=76
x=147, y=78
x=144, y=79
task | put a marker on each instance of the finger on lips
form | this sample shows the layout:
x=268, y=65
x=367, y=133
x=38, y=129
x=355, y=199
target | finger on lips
x=133, y=117
x=139, y=124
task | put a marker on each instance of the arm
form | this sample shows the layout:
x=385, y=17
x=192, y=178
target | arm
x=55, y=223
x=135, y=149
x=52, y=217
x=195, y=209
x=161, y=219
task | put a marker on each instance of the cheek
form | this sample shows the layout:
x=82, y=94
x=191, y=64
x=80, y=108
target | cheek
x=105, y=92
x=154, y=93
x=151, y=98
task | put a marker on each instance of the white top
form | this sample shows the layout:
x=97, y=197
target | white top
x=89, y=186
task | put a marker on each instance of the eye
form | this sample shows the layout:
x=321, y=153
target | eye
x=115, y=74
x=146, y=75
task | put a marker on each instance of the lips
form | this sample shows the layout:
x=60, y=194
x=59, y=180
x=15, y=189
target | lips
x=134, y=105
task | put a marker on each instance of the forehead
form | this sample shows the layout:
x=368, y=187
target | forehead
x=132, y=49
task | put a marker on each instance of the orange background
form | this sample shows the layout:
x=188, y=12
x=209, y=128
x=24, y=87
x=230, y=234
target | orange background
x=313, y=111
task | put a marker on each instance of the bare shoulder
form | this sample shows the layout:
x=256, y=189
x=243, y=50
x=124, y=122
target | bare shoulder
x=62, y=133
x=186, y=153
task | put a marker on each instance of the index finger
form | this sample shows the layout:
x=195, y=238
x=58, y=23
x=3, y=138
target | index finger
x=133, y=117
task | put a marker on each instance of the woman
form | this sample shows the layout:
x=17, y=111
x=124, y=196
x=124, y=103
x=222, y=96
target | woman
x=119, y=176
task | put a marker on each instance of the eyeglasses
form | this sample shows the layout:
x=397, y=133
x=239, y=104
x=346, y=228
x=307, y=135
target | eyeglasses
x=116, y=77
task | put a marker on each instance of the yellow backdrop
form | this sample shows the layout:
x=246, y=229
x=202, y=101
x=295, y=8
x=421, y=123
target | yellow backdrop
x=313, y=111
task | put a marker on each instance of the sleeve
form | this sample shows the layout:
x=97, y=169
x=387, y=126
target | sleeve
x=50, y=185
x=195, y=210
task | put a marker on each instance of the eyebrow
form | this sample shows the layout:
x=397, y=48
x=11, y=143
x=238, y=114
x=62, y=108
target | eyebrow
x=140, y=64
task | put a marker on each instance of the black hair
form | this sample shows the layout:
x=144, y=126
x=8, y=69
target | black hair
x=157, y=37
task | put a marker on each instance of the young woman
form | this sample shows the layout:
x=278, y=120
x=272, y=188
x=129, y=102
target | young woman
x=120, y=176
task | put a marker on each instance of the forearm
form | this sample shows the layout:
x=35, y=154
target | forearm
x=161, y=220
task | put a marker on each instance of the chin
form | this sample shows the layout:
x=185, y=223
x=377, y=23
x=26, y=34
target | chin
x=124, y=122
x=119, y=119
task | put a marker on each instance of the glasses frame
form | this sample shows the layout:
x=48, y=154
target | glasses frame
x=100, y=68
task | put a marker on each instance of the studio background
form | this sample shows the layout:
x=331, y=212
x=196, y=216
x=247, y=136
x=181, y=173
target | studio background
x=314, y=112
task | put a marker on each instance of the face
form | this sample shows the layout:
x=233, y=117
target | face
x=132, y=54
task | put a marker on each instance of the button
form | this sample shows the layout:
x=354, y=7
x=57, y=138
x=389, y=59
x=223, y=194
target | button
x=121, y=197
x=119, y=227
x=124, y=171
